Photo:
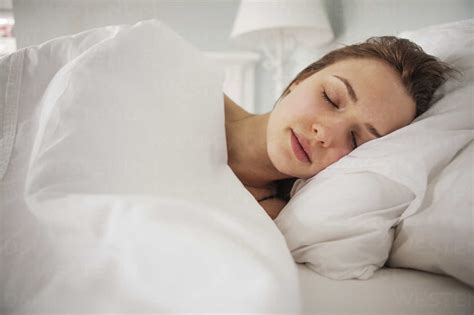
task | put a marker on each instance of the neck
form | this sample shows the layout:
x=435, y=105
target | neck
x=247, y=147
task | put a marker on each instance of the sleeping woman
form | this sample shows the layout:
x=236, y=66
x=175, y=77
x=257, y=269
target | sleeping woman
x=350, y=96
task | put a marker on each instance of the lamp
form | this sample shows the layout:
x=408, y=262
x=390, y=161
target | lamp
x=277, y=26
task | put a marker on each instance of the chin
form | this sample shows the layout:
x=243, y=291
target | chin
x=291, y=168
x=286, y=163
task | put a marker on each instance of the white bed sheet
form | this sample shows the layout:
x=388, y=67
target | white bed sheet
x=389, y=291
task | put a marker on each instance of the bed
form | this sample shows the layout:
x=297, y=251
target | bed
x=91, y=223
x=389, y=291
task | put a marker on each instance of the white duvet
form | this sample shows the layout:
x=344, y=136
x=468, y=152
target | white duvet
x=115, y=193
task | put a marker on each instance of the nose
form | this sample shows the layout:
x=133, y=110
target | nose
x=331, y=133
x=322, y=135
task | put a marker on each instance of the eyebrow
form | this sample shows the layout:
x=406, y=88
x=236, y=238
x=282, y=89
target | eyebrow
x=349, y=88
x=354, y=99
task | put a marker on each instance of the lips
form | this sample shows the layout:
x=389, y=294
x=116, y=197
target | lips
x=300, y=148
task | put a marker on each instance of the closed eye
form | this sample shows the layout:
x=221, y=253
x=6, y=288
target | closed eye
x=326, y=97
x=328, y=100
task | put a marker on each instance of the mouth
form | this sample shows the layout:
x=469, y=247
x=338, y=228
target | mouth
x=298, y=149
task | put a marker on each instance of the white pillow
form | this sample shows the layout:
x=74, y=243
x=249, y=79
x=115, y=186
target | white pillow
x=128, y=204
x=339, y=222
x=440, y=237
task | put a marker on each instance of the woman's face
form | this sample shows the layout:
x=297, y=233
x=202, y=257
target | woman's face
x=366, y=91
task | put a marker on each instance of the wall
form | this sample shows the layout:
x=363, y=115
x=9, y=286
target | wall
x=207, y=23
x=5, y=4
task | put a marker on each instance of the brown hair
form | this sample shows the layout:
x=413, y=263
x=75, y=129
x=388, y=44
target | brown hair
x=421, y=73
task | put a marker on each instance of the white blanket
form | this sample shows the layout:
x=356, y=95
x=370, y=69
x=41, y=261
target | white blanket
x=116, y=195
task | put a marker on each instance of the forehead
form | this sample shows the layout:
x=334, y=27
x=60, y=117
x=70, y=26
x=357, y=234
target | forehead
x=367, y=73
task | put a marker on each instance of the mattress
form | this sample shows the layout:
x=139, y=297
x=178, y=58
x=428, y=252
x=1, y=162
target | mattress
x=389, y=291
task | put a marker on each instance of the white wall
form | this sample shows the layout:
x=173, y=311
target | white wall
x=207, y=23
x=5, y=4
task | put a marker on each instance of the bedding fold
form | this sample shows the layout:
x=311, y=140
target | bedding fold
x=118, y=196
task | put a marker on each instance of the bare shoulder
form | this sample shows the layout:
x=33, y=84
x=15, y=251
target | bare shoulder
x=233, y=111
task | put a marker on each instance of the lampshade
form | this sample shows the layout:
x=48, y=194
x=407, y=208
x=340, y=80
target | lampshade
x=304, y=20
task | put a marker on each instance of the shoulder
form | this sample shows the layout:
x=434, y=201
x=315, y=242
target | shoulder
x=234, y=112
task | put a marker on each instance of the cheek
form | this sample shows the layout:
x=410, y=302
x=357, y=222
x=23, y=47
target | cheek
x=307, y=101
x=275, y=129
x=329, y=157
x=300, y=108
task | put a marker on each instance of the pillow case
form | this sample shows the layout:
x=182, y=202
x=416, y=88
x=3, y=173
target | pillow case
x=129, y=201
x=439, y=238
x=340, y=222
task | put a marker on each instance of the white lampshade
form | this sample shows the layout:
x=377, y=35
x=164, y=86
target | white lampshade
x=304, y=20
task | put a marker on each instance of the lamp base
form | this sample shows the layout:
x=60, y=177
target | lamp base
x=276, y=50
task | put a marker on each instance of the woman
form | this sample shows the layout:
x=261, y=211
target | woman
x=350, y=96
